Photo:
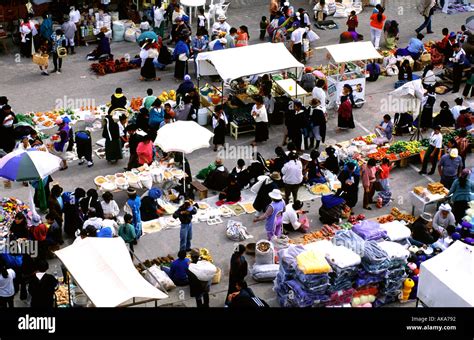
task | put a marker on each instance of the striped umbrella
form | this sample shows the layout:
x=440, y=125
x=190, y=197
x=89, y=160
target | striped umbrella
x=23, y=166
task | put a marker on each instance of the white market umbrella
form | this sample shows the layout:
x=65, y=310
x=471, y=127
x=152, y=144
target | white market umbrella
x=408, y=97
x=470, y=23
x=185, y=137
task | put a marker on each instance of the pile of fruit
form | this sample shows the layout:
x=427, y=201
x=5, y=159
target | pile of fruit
x=367, y=139
x=405, y=148
x=451, y=135
x=136, y=103
x=385, y=219
x=9, y=207
x=112, y=66
x=353, y=219
x=159, y=261
x=326, y=233
x=205, y=255
x=320, y=189
x=398, y=215
x=381, y=154
x=346, y=225
x=165, y=96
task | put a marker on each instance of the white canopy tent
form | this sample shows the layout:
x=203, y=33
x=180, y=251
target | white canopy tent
x=102, y=267
x=355, y=51
x=407, y=98
x=446, y=279
x=234, y=63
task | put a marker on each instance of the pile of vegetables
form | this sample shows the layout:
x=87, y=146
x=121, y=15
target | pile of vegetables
x=381, y=154
x=112, y=66
x=136, y=103
x=449, y=136
x=402, y=147
x=353, y=219
x=367, y=139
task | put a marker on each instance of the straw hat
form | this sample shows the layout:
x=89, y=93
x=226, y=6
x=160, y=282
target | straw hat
x=454, y=153
x=275, y=195
x=275, y=176
x=221, y=17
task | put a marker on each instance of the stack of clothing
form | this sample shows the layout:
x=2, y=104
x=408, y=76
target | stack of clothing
x=391, y=286
x=350, y=240
x=286, y=273
x=340, y=298
x=375, y=259
x=369, y=230
x=344, y=263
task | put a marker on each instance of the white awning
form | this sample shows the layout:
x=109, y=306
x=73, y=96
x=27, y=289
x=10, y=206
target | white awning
x=238, y=62
x=355, y=51
x=104, y=270
x=446, y=279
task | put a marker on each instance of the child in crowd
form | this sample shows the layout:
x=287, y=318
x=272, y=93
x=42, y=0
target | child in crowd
x=127, y=231
x=263, y=27
x=352, y=22
x=202, y=21
x=383, y=171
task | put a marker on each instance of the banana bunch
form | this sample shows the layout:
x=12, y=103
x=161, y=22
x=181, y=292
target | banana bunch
x=205, y=255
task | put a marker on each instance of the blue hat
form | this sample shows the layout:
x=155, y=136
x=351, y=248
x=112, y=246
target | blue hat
x=66, y=119
x=105, y=232
x=155, y=193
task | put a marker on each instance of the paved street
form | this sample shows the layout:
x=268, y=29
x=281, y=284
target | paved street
x=27, y=90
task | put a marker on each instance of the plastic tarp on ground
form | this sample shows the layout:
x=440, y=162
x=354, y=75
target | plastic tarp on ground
x=102, y=267
x=355, y=51
x=446, y=279
x=238, y=62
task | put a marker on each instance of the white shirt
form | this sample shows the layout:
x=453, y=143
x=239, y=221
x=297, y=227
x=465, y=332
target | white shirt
x=292, y=172
x=6, y=284
x=218, y=27
x=177, y=14
x=319, y=8
x=291, y=217
x=456, y=109
x=159, y=16
x=297, y=35
x=121, y=129
x=260, y=115
x=202, y=21
x=97, y=222
x=110, y=208
x=436, y=140
x=440, y=223
x=319, y=94
x=75, y=16
x=144, y=26
x=215, y=121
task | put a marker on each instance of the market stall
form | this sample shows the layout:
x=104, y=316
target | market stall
x=253, y=60
x=446, y=280
x=107, y=281
x=347, y=67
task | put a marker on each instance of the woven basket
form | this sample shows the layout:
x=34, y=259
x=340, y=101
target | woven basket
x=217, y=277
x=41, y=59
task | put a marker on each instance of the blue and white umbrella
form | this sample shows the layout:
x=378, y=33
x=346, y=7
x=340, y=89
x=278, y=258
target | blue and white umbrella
x=23, y=166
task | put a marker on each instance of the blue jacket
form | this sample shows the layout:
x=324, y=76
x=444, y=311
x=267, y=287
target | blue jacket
x=156, y=117
x=181, y=47
x=46, y=29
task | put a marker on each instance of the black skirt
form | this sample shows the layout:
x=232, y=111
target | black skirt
x=219, y=135
x=113, y=150
x=148, y=70
x=179, y=69
x=345, y=123
x=261, y=132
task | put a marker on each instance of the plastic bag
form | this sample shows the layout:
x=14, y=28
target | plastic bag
x=236, y=231
x=264, y=257
x=265, y=272
x=163, y=279
x=204, y=270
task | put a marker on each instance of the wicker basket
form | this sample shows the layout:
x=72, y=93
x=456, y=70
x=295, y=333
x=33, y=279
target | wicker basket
x=217, y=277
x=41, y=59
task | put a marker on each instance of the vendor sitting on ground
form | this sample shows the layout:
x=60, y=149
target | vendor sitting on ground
x=218, y=178
x=314, y=174
x=241, y=173
x=332, y=162
x=103, y=48
x=178, y=269
x=291, y=218
x=384, y=131
x=231, y=193
x=149, y=208
x=423, y=232
x=415, y=48
x=443, y=218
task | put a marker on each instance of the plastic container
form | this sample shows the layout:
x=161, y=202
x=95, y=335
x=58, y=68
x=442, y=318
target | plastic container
x=203, y=117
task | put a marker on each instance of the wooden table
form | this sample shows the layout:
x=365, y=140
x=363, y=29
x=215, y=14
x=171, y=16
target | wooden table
x=235, y=130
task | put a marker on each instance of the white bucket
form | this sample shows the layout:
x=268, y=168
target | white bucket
x=203, y=117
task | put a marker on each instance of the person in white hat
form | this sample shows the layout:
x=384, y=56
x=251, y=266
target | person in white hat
x=273, y=215
x=450, y=167
x=221, y=25
x=443, y=218
x=423, y=232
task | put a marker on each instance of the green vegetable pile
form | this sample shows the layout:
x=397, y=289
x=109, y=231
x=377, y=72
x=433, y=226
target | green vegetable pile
x=402, y=146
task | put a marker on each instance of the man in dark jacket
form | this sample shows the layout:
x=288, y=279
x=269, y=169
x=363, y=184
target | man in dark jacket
x=198, y=289
x=133, y=141
x=185, y=215
x=245, y=298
